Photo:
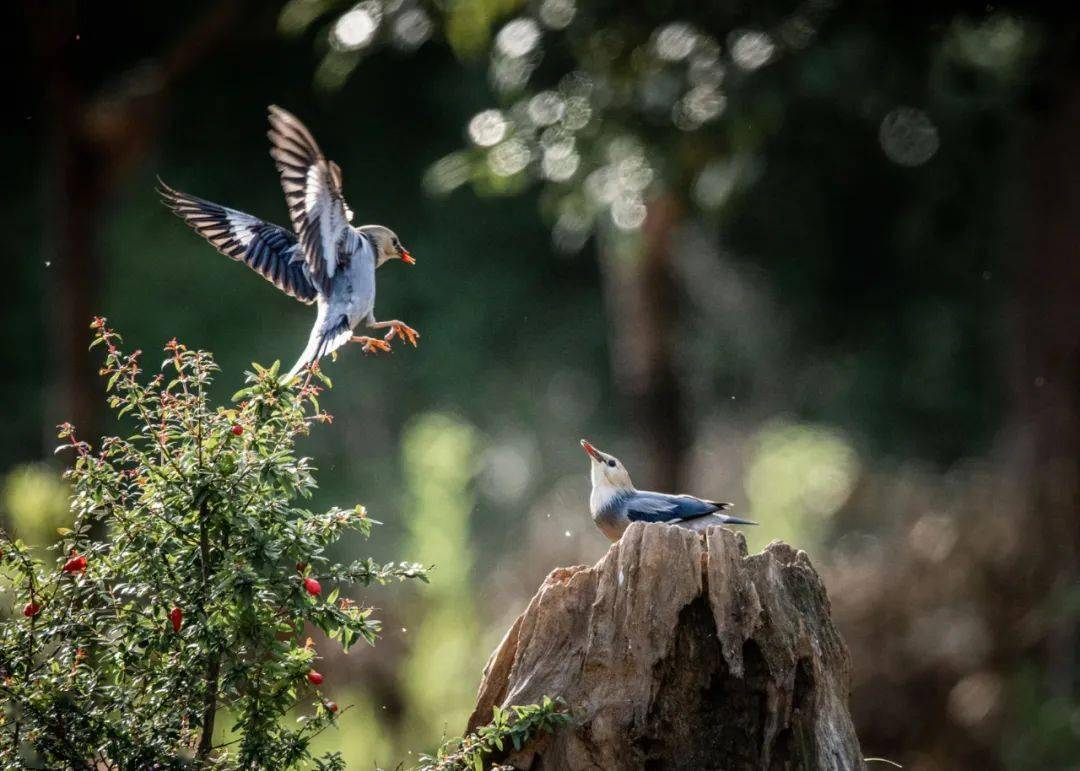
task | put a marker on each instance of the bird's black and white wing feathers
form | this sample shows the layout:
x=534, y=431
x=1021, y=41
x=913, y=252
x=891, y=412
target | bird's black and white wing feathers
x=661, y=507
x=269, y=250
x=312, y=186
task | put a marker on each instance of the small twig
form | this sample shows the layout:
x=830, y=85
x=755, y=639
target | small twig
x=213, y=656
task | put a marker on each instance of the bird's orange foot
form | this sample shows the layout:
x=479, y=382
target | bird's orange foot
x=372, y=344
x=404, y=331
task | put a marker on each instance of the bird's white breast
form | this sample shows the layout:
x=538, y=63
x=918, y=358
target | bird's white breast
x=355, y=289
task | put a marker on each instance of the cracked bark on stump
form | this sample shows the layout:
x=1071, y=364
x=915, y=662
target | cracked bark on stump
x=678, y=650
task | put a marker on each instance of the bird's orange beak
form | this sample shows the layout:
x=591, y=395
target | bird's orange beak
x=407, y=258
x=592, y=451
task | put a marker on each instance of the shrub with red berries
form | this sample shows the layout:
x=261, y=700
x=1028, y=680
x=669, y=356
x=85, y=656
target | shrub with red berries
x=179, y=575
x=77, y=564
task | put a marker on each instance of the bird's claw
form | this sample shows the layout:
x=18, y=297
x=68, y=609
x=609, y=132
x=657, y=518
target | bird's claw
x=372, y=344
x=404, y=331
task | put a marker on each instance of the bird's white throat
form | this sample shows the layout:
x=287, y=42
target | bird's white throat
x=603, y=492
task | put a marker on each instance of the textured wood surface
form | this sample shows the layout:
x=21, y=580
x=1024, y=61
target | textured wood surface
x=678, y=650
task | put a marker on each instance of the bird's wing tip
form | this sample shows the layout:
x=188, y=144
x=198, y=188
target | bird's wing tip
x=170, y=198
x=280, y=114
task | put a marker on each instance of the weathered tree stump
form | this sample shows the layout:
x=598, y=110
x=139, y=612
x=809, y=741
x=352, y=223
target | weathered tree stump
x=677, y=650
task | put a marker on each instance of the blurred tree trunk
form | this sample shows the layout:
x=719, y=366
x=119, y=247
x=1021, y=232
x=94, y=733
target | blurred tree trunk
x=642, y=301
x=1046, y=379
x=102, y=125
x=75, y=209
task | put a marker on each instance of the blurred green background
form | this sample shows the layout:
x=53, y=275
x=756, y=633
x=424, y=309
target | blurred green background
x=819, y=258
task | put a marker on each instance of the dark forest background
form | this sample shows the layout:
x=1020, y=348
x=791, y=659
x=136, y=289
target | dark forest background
x=821, y=259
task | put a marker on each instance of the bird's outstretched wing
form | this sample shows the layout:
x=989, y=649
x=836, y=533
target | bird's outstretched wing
x=312, y=186
x=268, y=249
x=661, y=507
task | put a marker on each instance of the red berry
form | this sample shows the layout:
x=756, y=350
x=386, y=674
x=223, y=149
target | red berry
x=301, y=567
x=31, y=609
x=315, y=678
x=77, y=564
x=331, y=705
x=311, y=586
x=176, y=616
x=237, y=429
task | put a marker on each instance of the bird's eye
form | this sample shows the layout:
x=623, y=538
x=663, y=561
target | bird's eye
x=611, y=463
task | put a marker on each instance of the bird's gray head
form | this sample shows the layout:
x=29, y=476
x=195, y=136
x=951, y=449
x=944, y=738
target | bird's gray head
x=387, y=245
x=606, y=470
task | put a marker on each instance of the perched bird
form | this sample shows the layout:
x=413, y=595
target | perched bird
x=323, y=259
x=615, y=502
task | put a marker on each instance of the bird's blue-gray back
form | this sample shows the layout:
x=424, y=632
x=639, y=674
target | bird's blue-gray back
x=647, y=506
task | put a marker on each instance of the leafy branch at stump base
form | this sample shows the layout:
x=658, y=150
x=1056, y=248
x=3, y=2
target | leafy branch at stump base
x=511, y=727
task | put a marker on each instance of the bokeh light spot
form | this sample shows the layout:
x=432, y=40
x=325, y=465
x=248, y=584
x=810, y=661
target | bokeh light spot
x=546, y=108
x=355, y=29
x=628, y=213
x=675, y=42
x=509, y=158
x=412, y=28
x=487, y=128
x=751, y=49
x=447, y=174
x=518, y=38
x=908, y=136
x=557, y=14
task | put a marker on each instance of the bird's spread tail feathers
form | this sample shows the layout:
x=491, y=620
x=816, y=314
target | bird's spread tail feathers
x=727, y=519
x=320, y=345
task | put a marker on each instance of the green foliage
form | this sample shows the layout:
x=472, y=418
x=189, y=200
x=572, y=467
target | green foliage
x=1043, y=730
x=440, y=458
x=512, y=727
x=797, y=477
x=469, y=24
x=184, y=585
x=35, y=501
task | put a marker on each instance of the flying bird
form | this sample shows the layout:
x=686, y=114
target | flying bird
x=615, y=502
x=322, y=259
